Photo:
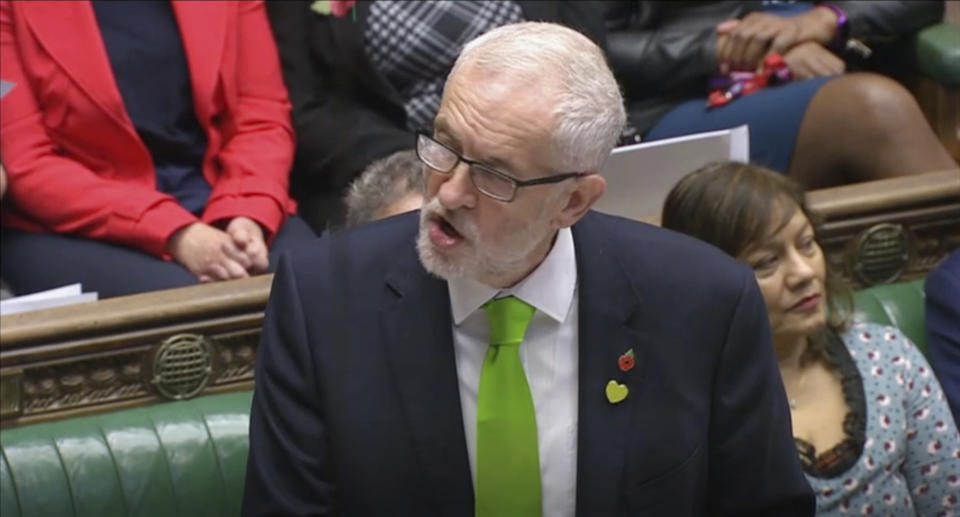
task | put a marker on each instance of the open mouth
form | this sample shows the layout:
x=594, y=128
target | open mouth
x=443, y=234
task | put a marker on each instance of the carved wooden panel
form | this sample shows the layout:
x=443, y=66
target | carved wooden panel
x=75, y=384
x=862, y=224
x=50, y=372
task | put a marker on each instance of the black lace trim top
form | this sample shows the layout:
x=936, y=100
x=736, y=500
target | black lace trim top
x=841, y=457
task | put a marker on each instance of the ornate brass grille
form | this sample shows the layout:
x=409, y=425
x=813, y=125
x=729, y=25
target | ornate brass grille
x=880, y=254
x=182, y=366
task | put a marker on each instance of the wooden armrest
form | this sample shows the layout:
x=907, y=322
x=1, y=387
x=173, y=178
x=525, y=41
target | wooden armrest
x=885, y=195
x=878, y=196
x=138, y=311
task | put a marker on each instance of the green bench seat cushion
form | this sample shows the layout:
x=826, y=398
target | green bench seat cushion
x=938, y=53
x=171, y=459
x=900, y=305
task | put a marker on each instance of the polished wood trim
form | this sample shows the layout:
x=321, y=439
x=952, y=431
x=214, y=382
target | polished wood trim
x=124, y=341
x=882, y=195
x=877, y=196
x=193, y=303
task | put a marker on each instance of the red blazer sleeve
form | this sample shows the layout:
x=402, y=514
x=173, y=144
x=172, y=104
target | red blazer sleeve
x=258, y=146
x=51, y=191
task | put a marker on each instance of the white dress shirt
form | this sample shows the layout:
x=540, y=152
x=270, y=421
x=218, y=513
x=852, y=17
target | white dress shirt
x=549, y=358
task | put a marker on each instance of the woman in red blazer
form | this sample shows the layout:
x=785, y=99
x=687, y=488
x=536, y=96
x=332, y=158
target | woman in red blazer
x=83, y=168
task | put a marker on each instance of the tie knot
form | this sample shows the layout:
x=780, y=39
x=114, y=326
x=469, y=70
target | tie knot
x=508, y=318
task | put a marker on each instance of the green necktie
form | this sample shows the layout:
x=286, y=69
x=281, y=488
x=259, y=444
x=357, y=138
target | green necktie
x=508, y=464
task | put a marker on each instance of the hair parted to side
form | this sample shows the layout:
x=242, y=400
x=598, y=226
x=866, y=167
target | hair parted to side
x=732, y=206
x=383, y=182
x=589, y=113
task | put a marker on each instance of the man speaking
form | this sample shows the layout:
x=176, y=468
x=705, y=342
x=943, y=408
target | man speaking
x=508, y=352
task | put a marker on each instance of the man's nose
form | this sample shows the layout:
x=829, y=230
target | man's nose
x=457, y=190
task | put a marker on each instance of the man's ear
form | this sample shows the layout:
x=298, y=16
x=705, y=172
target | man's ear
x=587, y=191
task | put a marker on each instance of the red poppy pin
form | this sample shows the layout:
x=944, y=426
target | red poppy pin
x=626, y=361
x=338, y=8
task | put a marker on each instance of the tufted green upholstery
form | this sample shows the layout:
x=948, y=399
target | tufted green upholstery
x=938, y=53
x=173, y=459
x=900, y=304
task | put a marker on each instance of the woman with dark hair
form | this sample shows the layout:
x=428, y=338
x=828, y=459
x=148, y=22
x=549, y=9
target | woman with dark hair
x=872, y=428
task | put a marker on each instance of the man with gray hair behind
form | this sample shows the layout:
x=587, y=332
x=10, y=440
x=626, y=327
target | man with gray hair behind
x=509, y=352
x=389, y=186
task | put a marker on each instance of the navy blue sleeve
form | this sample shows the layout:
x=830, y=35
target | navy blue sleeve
x=750, y=432
x=943, y=327
x=288, y=472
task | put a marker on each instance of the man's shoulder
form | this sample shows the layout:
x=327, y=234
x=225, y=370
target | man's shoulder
x=371, y=246
x=650, y=250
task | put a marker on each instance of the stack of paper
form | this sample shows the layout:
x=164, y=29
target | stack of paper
x=45, y=299
x=640, y=176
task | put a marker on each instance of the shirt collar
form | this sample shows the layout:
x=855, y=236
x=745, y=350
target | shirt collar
x=549, y=288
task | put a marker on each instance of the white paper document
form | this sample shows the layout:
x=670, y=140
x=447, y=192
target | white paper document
x=639, y=176
x=60, y=296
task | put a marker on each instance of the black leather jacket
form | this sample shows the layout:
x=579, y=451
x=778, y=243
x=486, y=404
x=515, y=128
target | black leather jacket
x=664, y=52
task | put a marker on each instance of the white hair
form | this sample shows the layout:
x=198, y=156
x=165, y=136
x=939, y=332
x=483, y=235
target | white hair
x=589, y=113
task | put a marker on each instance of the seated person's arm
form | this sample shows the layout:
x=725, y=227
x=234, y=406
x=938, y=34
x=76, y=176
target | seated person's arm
x=931, y=467
x=655, y=60
x=258, y=146
x=878, y=21
x=59, y=194
x=743, y=43
x=338, y=134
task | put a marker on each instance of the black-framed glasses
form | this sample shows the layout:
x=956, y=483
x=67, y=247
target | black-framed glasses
x=489, y=181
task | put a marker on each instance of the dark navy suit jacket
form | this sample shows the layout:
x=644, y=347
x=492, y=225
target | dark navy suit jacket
x=357, y=411
x=942, y=289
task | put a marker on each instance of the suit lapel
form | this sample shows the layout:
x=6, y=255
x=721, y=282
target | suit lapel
x=69, y=32
x=417, y=331
x=609, y=327
x=203, y=30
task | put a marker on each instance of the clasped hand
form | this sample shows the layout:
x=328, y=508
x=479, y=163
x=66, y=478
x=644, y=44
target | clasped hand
x=742, y=44
x=211, y=254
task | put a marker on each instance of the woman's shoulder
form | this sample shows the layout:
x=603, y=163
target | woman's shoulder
x=882, y=350
x=862, y=335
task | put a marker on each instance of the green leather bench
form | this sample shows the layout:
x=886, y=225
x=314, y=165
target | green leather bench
x=937, y=83
x=938, y=53
x=188, y=458
x=900, y=305
x=184, y=458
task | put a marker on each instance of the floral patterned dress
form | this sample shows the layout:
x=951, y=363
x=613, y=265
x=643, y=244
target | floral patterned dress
x=902, y=453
